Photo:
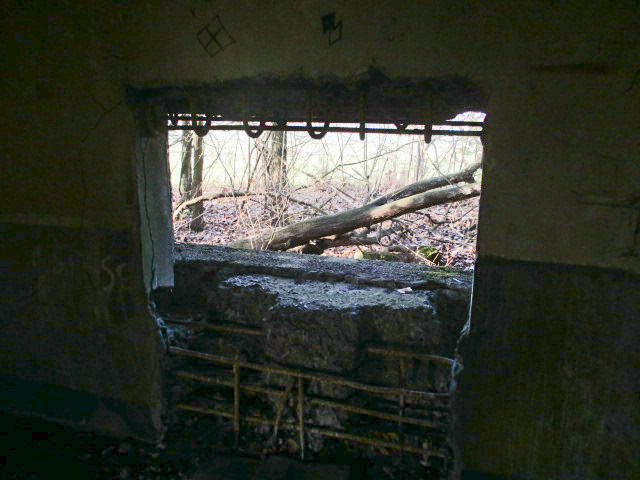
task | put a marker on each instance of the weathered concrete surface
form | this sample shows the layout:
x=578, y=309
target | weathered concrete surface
x=318, y=313
x=283, y=264
x=566, y=340
x=321, y=312
x=327, y=325
x=76, y=342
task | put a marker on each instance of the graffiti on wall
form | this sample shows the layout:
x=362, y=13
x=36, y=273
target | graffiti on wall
x=92, y=282
x=330, y=27
x=214, y=37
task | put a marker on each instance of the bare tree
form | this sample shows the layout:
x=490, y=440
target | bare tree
x=197, y=210
x=185, y=166
x=277, y=177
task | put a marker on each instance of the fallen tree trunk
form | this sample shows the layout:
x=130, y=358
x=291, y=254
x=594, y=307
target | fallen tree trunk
x=347, y=240
x=302, y=232
x=429, y=184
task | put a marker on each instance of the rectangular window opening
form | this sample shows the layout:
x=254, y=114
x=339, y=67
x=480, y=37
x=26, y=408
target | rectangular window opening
x=251, y=188
x=356, y=332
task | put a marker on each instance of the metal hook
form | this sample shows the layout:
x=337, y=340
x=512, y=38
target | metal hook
x=362, y=119
x=247, y=128
x=428, y=133
x=253, y=133
x=320, y=133
x=174, y=119
x=428, y=127
x=312, y=133
x=200, y=130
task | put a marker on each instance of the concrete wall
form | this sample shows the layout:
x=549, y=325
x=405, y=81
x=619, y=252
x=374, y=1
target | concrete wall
x=557, y=76
x=551, y=383
x=562, y=146
x=77, y=342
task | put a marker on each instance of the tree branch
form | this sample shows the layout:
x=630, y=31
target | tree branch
x=429, y=184
x=299, y=233
x=202, y=198
x=238, y=193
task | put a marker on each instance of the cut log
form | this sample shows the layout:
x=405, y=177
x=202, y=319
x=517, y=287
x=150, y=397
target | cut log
x=315, y=228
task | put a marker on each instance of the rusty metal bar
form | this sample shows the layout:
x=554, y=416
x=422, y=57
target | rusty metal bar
x=236, y=404
x=300, y=128
x=374, y=413
x=228, y=383
x=217, y=327
x=300, y=376
x=428, y=367
x=264, y=421
x=377, y=389
x=316, y=401
x=173, y=118
x=205, y=411
x=375, y=442
x=301, y=415
x=403, y=384
x=370, y=441
x=396, y=352
x=320, y=431
x=351, y=437
x=204, y=379
x=281, y=408
x=263, y=390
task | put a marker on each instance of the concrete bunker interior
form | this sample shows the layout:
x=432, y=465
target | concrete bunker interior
x=324, y=357
x=550, y=381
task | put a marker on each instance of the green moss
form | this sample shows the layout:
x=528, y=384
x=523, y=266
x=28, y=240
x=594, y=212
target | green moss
x=441, y=272
x=389, y=257
x=430, y=252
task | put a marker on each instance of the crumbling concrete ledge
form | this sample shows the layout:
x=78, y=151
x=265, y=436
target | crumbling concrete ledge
x=227, y=262
x=317, y=313
x=292, y=294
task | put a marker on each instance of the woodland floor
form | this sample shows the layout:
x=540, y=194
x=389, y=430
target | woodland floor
x=450, y=228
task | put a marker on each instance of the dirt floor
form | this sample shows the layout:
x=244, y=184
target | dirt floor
x=196, y=448
x=34, y=449
x=31, y=448
x=450, y=228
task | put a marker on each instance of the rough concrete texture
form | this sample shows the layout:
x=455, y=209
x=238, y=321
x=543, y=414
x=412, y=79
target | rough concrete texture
x=322, y=312
x=352, y=302
x=561, y=343
x=325, y=325
x=311, y=267
x=319, y=314
x=74, y=335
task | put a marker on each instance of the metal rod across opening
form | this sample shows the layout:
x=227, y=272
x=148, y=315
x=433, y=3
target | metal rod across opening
x=214, y=123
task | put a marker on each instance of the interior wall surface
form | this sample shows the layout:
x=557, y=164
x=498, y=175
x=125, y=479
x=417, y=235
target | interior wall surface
x=77, y=343
x=561, y=82
x=553, y=355
x=559, y=186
